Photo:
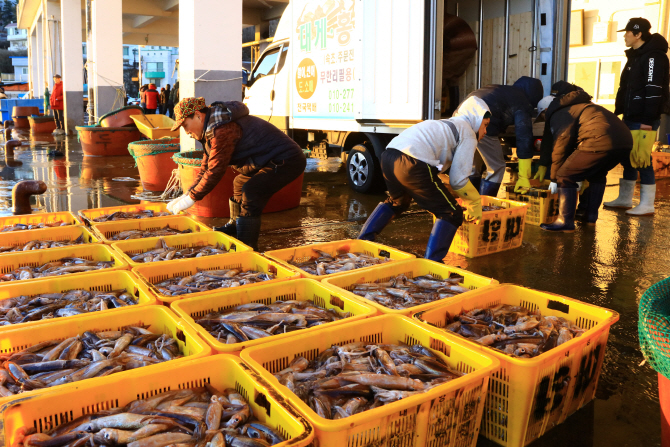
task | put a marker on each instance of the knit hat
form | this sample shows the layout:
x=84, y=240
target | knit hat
x=185, y=108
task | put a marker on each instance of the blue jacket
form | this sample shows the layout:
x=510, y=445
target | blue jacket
x=513, y=104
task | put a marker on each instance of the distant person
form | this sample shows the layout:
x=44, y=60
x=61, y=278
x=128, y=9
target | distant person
x=56, y=104
x=642, y=97
x=174, y=98
x=167, y=111
x=2, y=93
x=509, y=104
x=152, y=98
x=162, y=101
x=143, y=101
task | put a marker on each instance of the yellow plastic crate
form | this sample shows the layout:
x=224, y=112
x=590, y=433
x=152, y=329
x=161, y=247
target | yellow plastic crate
x=447, y=415
x=155, y=126
x=305, y=252
x=87, y=216
x=300, y=290
x=410, y=268
x=661, y=163
x=33, y=219
x=497, y=231
x=46, y=411
x=67, y=233
x=100, y=282
x=158, y=319
x=109, y=229
x=542, y=205
x=527, y=397
x=160, y=271
x=132, y=247
x=91, y=252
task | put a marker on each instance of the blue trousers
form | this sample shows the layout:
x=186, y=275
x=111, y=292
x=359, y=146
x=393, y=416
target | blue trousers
x=646, y=174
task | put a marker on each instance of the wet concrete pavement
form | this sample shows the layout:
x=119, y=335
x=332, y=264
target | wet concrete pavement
x=608, y=265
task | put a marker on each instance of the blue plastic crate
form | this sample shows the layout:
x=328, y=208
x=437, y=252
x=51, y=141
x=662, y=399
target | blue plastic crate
x=6, y=106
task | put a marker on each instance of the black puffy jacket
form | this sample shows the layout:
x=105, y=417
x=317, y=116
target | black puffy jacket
x=575, y=123
x=643, y=91
x=513, y=104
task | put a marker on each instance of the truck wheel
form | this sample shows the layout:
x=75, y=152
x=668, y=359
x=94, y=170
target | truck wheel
x=363, y=171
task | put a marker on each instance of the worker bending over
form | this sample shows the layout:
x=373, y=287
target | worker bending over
x=582, y=141
x=411, y=164
x=265, y=157
x=509, y=104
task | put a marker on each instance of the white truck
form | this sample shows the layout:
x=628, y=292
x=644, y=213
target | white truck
x=350, y=75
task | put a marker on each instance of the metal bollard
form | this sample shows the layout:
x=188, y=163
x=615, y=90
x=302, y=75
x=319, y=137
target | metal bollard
x=21, y=195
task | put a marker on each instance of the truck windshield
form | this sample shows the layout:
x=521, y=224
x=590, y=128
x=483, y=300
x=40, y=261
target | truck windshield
x=266, y=65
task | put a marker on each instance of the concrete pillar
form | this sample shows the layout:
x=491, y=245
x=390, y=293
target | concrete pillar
x=32, y=62
x=106, y=54
x=39, y=61
x=73, y=64
x=210, y=60
x=52, y=41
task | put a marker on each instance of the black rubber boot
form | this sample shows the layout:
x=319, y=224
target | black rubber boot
x=567, y=205
x=231, y=227
x=440, y=240
x=380, y=217
x=595, y=199
x=248, y=230
x=489, y=188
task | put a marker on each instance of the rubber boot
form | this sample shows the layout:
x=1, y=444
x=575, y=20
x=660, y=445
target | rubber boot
x=596, y=192
x=230, y=228
x=567, y=205
x=489, y=188
x=583, y=204
x=380, y=217
x=625, y=199
x=440, y=240
x=646, y=205
x=248, y=230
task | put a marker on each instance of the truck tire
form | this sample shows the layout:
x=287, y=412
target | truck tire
x=364, y=174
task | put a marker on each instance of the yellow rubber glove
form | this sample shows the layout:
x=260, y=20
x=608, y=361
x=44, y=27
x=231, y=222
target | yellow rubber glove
x=643, y=142
x=472, y=202
x=540, y=174
x=585, y=184
x=523, y=184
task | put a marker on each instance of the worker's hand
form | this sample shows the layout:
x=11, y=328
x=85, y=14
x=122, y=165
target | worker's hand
x=523, y=183
x=472, y=203
x=553, y=187
x=541, y=173
x=180, y=204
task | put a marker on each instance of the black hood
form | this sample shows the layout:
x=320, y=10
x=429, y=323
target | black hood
x=561, y=88
x=532, y=88
x=657, y=43
x=570, y=99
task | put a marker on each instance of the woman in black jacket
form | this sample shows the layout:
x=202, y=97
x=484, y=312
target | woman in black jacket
x=583, y=141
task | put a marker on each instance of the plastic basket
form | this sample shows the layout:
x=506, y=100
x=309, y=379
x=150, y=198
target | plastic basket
x=68, y=233
x=108, y=230
x=661, y=163
x=91, y=252
x=130, y=248
x=100, y=282
x=300, y=290
x=87, y=216
x=527, y=397
x=155, y=126
x=33, y=219
x=497, y=231
x=654, y=326
x=542, y=205
x=47, y=411
x=447, y=415
x=158, y=318
x=160, y=271
x=305, y=252
x=410, y=268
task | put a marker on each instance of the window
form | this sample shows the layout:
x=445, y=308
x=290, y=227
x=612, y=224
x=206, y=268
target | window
x=610, y=76
x=282, y=58
x=265, y=66
x=126, y=51
x=599, y=77
x=584, y=75
x=24, y=71
x=154, y=66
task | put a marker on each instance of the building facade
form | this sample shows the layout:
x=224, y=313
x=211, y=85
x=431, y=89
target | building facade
x=17, y=38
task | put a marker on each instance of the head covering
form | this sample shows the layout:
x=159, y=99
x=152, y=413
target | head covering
x=543, y=104
x=474, y=110
x=561, y=88
x=637, y=25
x=531, y=87
x=57, y=76
x=185, y=108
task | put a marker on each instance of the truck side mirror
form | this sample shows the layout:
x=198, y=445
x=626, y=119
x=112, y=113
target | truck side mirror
x=245, y=77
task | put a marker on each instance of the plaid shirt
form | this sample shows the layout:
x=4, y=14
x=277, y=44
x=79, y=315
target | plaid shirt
x=218, y=116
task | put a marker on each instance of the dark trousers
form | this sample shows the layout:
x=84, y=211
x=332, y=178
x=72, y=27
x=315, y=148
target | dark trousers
x=254, y=191
x=588, y=165
x=169, y=110
x=408, y=178
x=150, y=112
x=58, y=117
